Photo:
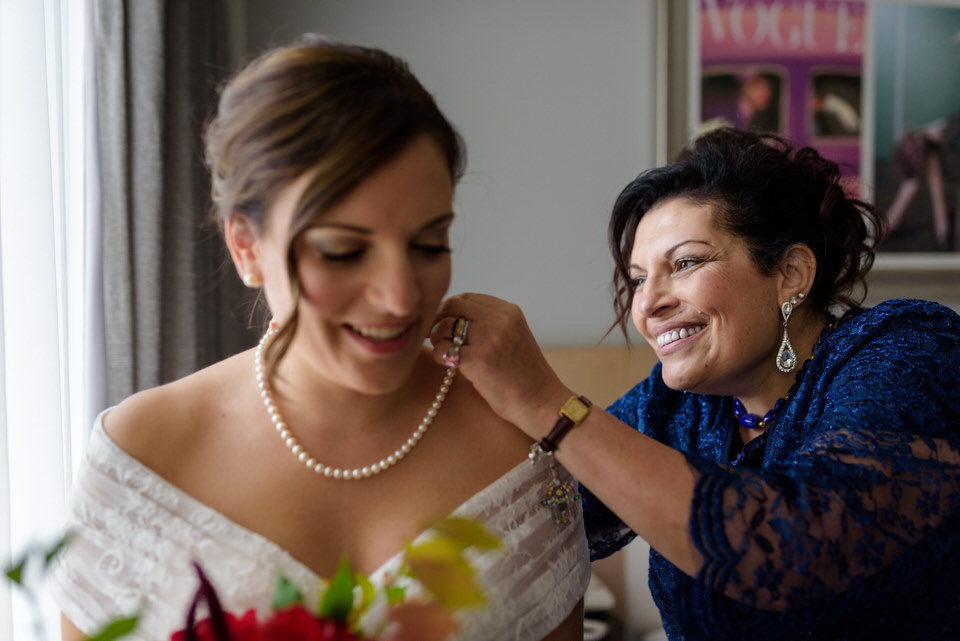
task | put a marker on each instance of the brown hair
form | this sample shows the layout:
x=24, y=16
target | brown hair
x=334, y=110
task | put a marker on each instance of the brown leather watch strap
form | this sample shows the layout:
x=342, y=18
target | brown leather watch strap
x=571, y=414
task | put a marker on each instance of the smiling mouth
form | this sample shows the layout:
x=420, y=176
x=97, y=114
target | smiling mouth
x=381, y=333
x=669, y=337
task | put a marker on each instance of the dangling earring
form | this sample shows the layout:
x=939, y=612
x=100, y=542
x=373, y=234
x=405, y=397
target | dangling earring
x=786, y=357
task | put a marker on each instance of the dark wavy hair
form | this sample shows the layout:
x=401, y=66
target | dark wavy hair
x=770, y=193
x=334, y=110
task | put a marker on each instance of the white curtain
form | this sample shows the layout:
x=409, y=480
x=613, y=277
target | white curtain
x=51, y=371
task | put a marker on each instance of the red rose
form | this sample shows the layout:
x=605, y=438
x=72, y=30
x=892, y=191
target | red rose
x=244, y=628
x=297, y=624
x=293, y=624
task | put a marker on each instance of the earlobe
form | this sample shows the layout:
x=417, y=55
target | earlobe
x=242, y=241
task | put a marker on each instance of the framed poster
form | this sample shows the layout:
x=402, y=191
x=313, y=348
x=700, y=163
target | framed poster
x=793, y=68
x=872, y=85
x=916, y=128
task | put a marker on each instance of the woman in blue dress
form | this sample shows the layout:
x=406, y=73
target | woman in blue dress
x=793, y=460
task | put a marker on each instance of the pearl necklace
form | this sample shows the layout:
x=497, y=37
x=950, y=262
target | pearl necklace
x=334, y=472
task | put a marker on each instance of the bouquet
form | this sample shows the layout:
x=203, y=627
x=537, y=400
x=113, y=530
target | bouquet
x=435, y=579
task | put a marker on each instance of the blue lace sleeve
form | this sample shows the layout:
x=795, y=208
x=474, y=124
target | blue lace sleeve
x=606, y=532
x=865, y=473
x=655, y=410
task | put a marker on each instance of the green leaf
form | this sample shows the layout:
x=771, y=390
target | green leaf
x=117, y=628
x=34, y=554
x=467, y=533
x=15, y=572
x=337, y=601
x=285, y=593
x=396, y=594
x=55, y=550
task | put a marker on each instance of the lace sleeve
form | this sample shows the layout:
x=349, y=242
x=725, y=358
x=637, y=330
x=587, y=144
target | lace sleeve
x=606, y=532
x=668, y=416
x=873, y=479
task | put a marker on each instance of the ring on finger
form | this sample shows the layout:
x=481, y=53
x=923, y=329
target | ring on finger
x=460, y=328
x=458, y=334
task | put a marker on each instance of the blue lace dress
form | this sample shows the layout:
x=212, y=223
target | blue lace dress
x=848, y=524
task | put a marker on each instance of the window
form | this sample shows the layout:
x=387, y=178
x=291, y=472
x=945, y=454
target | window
x=48, y=240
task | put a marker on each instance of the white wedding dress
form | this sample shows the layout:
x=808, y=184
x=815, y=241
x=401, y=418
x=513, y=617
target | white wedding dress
x=135, y=536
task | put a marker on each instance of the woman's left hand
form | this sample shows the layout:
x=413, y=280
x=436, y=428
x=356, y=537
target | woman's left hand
x=500, y=357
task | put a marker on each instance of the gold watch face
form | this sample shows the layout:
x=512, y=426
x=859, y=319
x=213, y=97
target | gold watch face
x=575, y=409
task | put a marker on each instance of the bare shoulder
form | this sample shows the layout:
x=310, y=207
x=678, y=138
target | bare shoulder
x=493, y=433
x=156, y=426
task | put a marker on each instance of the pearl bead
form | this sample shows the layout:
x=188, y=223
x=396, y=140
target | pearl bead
x=332, y=472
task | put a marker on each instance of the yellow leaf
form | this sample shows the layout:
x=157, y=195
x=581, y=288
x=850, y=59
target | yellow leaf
x=441, y=569
x=468, y=533
x=367, y=592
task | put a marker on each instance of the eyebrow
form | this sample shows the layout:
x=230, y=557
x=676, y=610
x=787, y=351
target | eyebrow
x=436, y=222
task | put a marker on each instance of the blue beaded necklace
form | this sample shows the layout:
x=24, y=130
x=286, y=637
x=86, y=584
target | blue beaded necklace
x=754, y=422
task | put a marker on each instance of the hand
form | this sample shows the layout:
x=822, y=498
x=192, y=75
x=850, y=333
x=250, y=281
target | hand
x=422, y=622
x=502, y=359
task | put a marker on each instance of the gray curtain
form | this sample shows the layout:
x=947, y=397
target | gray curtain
x=172, y=301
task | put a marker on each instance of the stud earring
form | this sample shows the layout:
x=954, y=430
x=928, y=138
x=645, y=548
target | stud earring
x=787, y=357
x=251, y=280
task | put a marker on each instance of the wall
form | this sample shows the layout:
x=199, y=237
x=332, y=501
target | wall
x=555, y=101
x=931, y=276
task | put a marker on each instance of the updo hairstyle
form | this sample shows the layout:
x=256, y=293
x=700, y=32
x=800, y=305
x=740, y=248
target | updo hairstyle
x=771, y=194
x=335, y=110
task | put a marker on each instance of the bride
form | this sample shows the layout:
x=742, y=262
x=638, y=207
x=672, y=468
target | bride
x=333, y=174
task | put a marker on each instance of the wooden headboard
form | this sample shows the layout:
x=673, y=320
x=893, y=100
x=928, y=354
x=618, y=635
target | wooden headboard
x=602, y=374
